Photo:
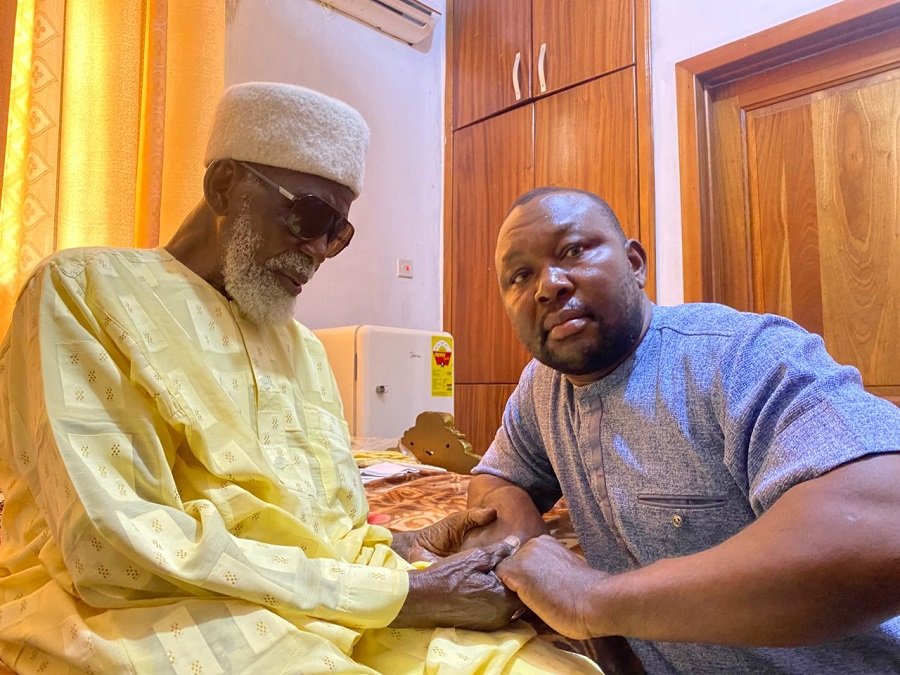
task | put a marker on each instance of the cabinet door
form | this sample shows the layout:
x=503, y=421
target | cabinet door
x=492, y=166
x=479, y=412
x=487, y=36
x=586, y=138
x=579, y=39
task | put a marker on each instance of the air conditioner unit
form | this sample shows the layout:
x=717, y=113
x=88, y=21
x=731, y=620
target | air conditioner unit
x=410, y=21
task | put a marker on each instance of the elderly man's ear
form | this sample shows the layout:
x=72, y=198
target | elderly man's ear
x=217, y=182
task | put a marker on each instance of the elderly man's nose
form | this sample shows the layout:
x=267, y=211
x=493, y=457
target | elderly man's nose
x=316, y=248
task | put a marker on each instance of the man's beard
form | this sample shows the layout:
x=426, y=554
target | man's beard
x=254, y=287
x=613, y=344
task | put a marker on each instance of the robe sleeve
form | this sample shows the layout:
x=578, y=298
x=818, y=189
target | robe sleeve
x=88, y=438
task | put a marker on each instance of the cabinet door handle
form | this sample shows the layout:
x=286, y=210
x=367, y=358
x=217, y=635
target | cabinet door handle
x=541, y=77
x=515, y=76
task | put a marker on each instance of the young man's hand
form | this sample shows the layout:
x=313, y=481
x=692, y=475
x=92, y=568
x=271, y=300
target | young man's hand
x=554, y=583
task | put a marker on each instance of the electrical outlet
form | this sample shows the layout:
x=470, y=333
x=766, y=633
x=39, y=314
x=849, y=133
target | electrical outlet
x=404, y=268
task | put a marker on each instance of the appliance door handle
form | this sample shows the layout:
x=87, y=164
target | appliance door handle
x=542, y=54
x=515, y=76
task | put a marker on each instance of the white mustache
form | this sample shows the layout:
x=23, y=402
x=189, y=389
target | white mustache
x=293, y=263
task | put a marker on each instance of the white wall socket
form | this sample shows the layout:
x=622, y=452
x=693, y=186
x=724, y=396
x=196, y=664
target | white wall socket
x=404, y=268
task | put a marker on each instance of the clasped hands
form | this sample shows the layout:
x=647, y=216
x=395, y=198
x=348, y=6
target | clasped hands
x=460, y=588
x=484, y=588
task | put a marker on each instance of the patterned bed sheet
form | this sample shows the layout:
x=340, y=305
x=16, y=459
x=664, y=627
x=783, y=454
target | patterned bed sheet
x=413, y=501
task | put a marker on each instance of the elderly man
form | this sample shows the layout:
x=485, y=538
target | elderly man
x=180, y=493
x=730, y=484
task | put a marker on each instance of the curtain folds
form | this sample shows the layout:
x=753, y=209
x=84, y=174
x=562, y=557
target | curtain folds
x=109, y=106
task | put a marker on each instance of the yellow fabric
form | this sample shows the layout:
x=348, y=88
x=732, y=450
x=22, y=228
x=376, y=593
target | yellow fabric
x=24, y=228
x=108, y=111
x=364, y=459
x=180, y=493
x=449, y=651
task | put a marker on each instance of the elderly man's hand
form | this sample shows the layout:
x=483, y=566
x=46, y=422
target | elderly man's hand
x=554, y=583
x=443, y=538
x=461, y=591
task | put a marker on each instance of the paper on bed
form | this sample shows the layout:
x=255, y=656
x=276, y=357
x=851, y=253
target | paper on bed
x=385, y=469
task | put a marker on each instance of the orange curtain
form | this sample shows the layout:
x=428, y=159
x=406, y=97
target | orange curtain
x=109, y=105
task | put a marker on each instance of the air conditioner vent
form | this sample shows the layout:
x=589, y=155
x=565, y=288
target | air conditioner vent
x=412, y=12
x=410, y=21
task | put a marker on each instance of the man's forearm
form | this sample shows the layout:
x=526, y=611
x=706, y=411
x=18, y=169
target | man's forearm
x=822, y=563
x=516, y=512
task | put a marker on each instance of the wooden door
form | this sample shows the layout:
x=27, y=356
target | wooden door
x=824, y=189
x=586, y=138
x=799, y=211
x=576, y=40
x=492, y=166
x=491, y=56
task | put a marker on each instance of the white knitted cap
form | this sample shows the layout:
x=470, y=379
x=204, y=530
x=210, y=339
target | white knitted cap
x=290, y=127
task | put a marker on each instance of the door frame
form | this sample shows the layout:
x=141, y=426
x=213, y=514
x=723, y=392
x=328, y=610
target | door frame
x=698, y=78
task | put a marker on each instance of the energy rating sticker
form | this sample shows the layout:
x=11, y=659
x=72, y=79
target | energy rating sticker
x=441, y=365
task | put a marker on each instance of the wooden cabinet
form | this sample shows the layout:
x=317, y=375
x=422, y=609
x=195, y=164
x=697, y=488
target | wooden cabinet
x=584, y=138
x=580, y=39
x=587, y=136
x=480, y=406
x=493, y=163
x=509, y=51
x=491, y=57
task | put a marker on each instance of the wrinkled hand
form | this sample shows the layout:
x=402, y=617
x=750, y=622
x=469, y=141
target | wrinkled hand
x=461, y=591
x=443, y=538
x=553, y=582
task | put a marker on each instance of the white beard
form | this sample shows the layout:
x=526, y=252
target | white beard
x=255, y=289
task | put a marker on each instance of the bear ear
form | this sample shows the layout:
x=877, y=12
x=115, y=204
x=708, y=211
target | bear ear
x=220, y=176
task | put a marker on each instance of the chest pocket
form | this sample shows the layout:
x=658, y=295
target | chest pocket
x=686, y=502
x=681, y=524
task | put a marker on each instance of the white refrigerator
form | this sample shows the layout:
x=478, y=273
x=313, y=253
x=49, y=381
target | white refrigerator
x=387, y=376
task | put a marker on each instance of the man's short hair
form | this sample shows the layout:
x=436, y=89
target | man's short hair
x=545, y=190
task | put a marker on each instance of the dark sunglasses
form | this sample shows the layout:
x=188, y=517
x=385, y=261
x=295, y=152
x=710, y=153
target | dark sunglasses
x=314, y=217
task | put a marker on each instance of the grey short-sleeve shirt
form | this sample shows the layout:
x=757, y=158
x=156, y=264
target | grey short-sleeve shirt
x=703, y=428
